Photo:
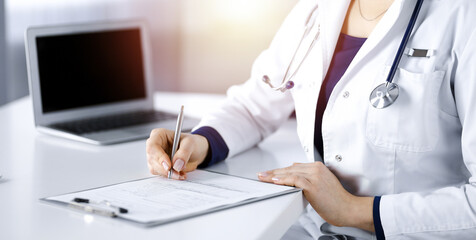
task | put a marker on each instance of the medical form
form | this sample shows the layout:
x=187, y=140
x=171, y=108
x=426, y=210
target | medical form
x=158, y=200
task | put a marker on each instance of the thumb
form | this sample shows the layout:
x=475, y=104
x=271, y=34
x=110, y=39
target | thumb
x=182, y=156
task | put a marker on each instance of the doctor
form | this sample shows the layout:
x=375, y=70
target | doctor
x=396, y=163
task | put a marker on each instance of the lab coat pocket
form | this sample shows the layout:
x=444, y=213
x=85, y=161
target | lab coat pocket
x=410, y=124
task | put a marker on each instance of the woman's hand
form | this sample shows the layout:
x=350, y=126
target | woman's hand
x=191, y=151
x=325, y=193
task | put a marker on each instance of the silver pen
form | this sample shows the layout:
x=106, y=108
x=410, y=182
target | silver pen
x=93, y=209
x=178, y=131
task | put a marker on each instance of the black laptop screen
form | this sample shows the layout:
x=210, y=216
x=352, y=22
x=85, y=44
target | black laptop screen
x=87, y=69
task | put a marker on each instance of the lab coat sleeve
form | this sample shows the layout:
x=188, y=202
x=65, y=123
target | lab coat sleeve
x=253, y=110
x=447, y=213
x=250, y=113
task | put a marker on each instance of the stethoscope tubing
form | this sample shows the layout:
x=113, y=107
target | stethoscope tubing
x=287, y=82
x=383, y=95
x=403, y=44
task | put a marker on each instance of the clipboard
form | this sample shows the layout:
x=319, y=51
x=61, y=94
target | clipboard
x=155, y=200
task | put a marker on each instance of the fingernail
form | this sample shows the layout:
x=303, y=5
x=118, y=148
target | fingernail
x=165, y=165
x=179, y=165
x=263, y=174
x=275, y=179
x=181, y=177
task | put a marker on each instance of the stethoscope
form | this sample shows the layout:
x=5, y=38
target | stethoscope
x=287, y=83
x=384, y=94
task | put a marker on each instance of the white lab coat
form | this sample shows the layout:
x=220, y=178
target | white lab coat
x=418, y=154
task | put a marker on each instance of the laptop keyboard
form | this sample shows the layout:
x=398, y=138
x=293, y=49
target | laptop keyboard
x=113, y=121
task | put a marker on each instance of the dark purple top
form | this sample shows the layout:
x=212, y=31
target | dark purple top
x=346, y=49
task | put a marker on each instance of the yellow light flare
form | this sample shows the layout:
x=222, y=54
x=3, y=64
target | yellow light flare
x=237, y=11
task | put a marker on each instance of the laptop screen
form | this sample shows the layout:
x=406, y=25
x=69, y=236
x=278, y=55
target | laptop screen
x=87, y=69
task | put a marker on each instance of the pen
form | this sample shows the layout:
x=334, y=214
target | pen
x=100, y=211
x=178, y=131
x=94, y=210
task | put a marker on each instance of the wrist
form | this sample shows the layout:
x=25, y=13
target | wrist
x=214, y=147
x=361, y=213
x=203, y=146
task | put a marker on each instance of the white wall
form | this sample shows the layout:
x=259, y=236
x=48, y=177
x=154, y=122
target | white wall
x=221, y=39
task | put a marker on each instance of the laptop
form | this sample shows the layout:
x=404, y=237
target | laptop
x=93, y=82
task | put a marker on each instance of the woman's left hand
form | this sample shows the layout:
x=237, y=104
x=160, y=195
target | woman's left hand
x=325, y=193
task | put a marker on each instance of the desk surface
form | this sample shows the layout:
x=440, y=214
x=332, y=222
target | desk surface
x=35, y=165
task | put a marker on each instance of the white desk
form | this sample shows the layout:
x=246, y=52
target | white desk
x=34, y=165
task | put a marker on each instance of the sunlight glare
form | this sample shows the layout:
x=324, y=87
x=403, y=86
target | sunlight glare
x=239, y=10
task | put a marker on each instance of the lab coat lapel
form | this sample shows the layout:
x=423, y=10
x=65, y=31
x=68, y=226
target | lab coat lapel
x=378, y=34
x=331, y=18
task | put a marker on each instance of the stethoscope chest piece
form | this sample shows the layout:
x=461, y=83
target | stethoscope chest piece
x=384, y=95
x=283, y=87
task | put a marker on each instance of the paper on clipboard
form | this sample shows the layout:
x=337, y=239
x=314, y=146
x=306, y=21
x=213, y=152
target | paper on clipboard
x=157, y=200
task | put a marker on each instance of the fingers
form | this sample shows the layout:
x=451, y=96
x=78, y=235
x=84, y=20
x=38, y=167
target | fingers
x=159, y=146
x=296, y=175
x=156, y=169
x=157, y=158
x=182, y=156
x=293, y=180
x=158, y=163
x=151, y=169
